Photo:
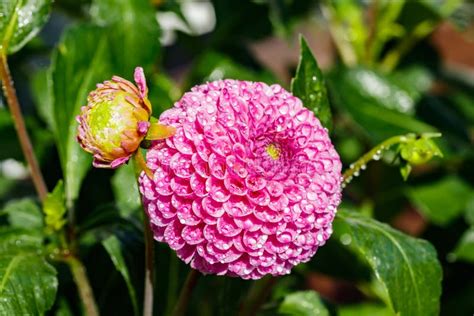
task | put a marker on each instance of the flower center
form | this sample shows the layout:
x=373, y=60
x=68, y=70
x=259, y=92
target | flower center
x=273, y=151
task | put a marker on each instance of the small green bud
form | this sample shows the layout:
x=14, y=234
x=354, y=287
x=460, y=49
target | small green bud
x=54, y=208
x=419, y=151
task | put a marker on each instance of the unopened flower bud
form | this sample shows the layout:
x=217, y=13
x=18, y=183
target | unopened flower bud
x=419, y=151
x=116, y=120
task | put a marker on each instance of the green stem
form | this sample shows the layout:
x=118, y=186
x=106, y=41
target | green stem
x=186, y=292
x=257, y=296
x=149, y=271
x=173, y=277
x=374, y=154
x=83, y=286
x=140, y=165
x=20, y=126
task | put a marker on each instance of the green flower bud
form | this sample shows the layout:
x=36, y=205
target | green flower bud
x=419, y=151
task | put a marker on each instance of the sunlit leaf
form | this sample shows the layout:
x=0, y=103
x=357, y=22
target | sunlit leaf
x=80, y=62
x=20, y=21
x=133, y=33
x=112, y=245
x=366, y=309
x=304, y=303
x=24, y=213
x=377, y=105
x=309, y=85
x=28, y=283
x=406, y=266
x=126, y=191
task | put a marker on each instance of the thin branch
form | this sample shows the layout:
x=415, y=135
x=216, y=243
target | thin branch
x=23, y=137
x=186, y=292
x=374, y=154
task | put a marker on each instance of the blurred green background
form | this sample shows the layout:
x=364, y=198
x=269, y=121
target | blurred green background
x=391, y=67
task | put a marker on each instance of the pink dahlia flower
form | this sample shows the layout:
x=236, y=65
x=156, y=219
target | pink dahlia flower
x=248, y=185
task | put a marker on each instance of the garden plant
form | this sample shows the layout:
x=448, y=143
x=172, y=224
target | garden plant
x=236, y=157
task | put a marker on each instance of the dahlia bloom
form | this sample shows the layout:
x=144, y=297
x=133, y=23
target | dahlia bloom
x=248, y=185
x=116, y=120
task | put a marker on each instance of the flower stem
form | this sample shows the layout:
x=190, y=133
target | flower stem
x=258, y=293
x=149, y=271
x=25, y=141
x=185, y=294
x=373, y=154
x=140, y=165
x=83, y=286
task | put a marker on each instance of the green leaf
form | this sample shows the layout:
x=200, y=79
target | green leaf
x=365, y=309
x=465, y=247
x=406, y=266
x=28, y=283
x=375, y=104
x=24, y=213
x=126, y=191
x=469, y=214
x=303, y=303
x=41, y=86
x=133, y=33
x=20, y=21
x=309, y=85
x=398, y=92
x=441, y=201
x=112, y=245
x=80, y=62
x=54, y=208
x=442, y=8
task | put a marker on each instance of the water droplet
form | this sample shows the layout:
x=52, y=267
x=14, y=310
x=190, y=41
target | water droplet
x=346, y=239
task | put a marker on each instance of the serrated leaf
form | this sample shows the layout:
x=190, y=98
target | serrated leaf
x=54, y=207
x=405, y=170
x=112, y=245
x=80, y=62
x=303, y=303
x=28, y=283
x=408, y=267
x=309, y=85
x=20, y=21
x=24, y=213
x=441, y=201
